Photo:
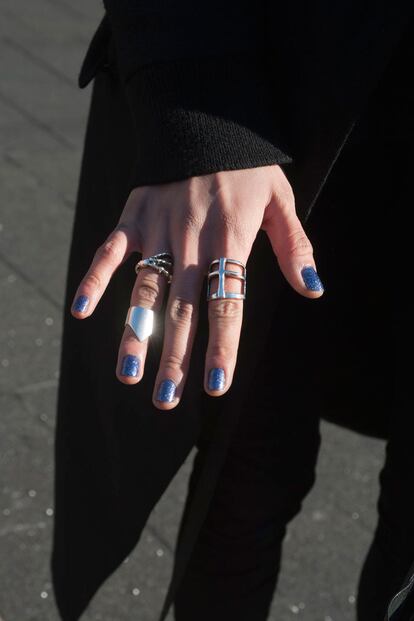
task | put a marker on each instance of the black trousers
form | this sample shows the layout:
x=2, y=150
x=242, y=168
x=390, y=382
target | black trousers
x=341, y=355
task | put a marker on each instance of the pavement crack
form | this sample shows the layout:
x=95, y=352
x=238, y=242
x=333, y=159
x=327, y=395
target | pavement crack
x=36, y=387
x=42, y=292
x=70, y=10
x=13, y=105
x=13, y=161
x=37, y=60
x=21, y=528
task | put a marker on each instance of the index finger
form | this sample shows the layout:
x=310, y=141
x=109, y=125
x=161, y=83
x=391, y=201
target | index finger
x=107, y=259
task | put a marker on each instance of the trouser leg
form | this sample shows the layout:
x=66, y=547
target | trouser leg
x=340, y=361
x=392, y=551
x=269, y=469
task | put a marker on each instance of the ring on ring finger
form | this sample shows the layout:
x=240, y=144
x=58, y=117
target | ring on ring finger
x=225, y=311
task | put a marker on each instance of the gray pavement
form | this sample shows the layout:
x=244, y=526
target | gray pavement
x=42, y=123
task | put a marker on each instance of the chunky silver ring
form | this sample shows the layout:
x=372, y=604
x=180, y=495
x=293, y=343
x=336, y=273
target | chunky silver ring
x=222, y=272
x=161, y=263
x=141, y=320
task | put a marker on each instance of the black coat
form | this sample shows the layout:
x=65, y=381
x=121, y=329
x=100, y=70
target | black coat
x=115, y=455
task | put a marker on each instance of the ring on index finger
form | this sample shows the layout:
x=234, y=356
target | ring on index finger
x=218, y=268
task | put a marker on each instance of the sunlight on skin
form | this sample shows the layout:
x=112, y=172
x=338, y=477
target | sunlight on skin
x=198, y=220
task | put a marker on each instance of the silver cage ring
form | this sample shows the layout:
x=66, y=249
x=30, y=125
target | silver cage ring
x=218, y=268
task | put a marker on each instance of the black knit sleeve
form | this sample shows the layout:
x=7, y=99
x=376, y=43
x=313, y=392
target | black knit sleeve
x=196, y=76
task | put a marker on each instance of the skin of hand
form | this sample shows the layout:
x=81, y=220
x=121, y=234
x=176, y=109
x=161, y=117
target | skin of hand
x=198, y=220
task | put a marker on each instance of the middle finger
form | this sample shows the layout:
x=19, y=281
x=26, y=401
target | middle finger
x=148, y=292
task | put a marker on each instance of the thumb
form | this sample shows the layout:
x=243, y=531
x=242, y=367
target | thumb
x=291, y=245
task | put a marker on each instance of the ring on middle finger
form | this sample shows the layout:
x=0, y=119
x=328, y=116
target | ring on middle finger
x=161, y=263
x=141, y=320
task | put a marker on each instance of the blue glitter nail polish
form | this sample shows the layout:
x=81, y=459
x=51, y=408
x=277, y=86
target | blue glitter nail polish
x=311, y=279
x=216, y=379
x=81, y=303
x=166, y=391
x=130, y=366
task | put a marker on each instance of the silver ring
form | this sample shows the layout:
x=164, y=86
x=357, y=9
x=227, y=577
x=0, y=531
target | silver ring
x=222, y=272
x=141, y=320
x=161, y=263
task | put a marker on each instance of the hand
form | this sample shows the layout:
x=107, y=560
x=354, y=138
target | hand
x=197, y=220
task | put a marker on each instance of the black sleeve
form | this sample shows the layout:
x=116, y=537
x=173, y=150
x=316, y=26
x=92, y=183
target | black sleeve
x=196, y=76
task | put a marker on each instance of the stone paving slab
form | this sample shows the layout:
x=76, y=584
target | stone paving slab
x=28, y=148
x=30, y=334
x=327, y=542
x=324, y=548
x=53, y=21
x=26, y=510
x=26, y=513
x=36, y=232
x=51, y=101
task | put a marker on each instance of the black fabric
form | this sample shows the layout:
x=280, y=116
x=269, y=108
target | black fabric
x=149, y=32
x=197, y=81
x=208, y=115
x=308, y=174
x=109, y=476
x=205, y=80
x=337, y=356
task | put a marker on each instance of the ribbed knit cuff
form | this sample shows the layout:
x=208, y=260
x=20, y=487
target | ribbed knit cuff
x=195, y=117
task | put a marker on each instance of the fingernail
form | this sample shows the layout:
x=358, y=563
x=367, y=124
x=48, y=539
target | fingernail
x=166, y=391
x=311, y=279
x=216, y=379
x=130, y=366
x=81, y=304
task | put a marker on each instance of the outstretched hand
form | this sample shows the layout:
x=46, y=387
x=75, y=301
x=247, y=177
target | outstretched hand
x=198, y=220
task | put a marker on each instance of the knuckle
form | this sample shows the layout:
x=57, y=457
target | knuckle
x=219, y=352
x=182, y=310
x=191, y=221
x=298, y=244
x=92, y=280
x=226, y=225
x=225, y=309
x=148, y=290
x=171, y=363
x=108, y=251
x=233, y=227
x=228, y=215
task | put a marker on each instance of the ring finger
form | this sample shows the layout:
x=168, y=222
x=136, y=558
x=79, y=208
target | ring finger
x=225, y=317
